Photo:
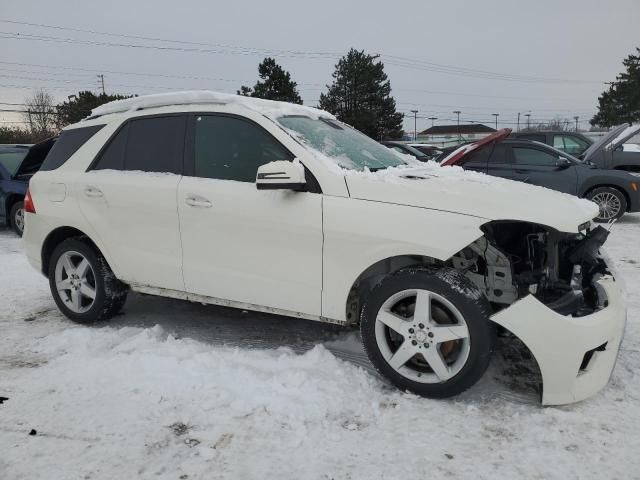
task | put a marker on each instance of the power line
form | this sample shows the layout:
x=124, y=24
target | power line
x=202, y=47
x=158, y=39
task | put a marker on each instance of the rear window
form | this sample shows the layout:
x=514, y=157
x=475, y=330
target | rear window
x=11, y=159
x=67, y=144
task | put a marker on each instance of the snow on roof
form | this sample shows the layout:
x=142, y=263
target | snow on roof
x=269, y=108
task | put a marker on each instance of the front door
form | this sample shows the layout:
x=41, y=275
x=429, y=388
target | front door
x=534, y=165
x=243, y=244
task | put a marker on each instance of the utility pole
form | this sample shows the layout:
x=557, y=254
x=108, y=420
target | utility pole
x=518, y=121
x=496, y=115
x=528, y=115
x=415, y=123
x=457, y=112
x=432, y=119
x=101, y=77
x=576, y=119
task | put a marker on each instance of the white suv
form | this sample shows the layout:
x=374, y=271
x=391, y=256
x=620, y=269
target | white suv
x=281, y=208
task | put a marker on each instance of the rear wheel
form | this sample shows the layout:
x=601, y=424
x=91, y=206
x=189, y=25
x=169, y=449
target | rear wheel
x=611, y=202
x=428, y=331
x=16, y=218
x=82, y=283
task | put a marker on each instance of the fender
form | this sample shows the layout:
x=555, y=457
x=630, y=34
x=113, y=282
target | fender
x=353, y=241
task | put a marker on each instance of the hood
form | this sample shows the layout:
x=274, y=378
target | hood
x=610, y=141
x=455, y=190
x=455, y=157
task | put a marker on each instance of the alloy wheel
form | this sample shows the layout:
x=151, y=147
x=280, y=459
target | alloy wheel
x=608, y=203
x=422, y=336
x=75, y=281
x=19, y=219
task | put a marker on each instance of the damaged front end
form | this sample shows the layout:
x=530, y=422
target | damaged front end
x=556, y=292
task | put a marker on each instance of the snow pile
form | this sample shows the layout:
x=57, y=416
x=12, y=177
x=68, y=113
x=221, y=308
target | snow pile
x=132, y=400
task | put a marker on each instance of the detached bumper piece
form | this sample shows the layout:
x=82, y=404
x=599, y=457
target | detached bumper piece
x=576, y=355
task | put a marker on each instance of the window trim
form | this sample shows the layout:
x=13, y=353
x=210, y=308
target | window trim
x=126, y=122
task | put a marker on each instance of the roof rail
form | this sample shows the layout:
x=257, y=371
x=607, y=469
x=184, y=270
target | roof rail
x=160, y=100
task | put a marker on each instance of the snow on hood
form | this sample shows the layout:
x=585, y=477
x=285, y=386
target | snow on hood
x=456, y=190
x=269, y=108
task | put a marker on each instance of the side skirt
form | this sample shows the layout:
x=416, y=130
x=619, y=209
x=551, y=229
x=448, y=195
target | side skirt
x=192, y=297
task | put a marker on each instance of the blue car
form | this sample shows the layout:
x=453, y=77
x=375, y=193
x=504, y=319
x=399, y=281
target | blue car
x=18, y=163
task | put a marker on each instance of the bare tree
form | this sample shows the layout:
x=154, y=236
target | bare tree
x=40, y=114
x=557, y=123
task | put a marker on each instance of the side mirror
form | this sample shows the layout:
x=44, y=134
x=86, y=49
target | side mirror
x=563, y=163
x=281, y=175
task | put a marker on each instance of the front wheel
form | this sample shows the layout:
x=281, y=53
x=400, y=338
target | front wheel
x=82, y=283
x=611, y=202
x=428, y=331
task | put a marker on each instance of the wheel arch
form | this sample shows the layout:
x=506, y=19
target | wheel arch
x=373, y=274
x=10, y=201
x=610, y=185
x=57, y=236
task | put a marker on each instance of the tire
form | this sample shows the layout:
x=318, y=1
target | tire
x=611, y=201
x=453, y=299
x=16, y=218
x=84, y=292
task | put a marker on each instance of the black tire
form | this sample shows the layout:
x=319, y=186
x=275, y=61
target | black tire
x=606, y=192
x=464, y=296
x=14, y=221
x=110, y=293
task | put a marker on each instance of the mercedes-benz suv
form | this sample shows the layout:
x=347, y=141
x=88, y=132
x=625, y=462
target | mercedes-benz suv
x=281, y=208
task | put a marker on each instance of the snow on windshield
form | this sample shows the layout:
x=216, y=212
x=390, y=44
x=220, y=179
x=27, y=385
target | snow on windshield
x=340, y=144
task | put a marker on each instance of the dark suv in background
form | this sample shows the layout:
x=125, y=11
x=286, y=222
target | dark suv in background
x=18, y=163
x=572, y=143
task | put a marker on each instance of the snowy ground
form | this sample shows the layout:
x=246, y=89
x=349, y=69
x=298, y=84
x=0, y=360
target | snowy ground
x=173, y=390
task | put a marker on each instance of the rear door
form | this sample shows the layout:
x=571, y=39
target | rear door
x=538, y=166
x=129, y=198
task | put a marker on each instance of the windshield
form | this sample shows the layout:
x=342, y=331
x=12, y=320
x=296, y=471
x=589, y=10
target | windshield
x=346, y=146
x=11, y=159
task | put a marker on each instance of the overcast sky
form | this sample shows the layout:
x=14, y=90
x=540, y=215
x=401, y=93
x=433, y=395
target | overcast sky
x=549, y=58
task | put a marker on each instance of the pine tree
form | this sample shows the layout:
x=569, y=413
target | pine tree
x=276, y=84
x=80, y=107
x=621, y=102
x=360, y=96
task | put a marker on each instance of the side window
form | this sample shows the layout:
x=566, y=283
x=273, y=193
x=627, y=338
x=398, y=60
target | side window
x=229, y=148
x=499, y=154
x=112, y=157
x=532, y=156
x=559, y=142
x=155, y=144
x=66, y=145
x=480, y=156
x=574, y=145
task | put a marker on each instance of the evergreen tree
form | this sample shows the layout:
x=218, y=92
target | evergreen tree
x=360, y=96
x=276, y=84
x=80, y=107
x=621, y=102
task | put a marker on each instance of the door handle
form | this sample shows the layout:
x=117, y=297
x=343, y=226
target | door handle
x=93, y=192
x=198, y=201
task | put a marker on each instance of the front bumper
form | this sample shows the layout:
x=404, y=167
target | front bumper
x=559, y=343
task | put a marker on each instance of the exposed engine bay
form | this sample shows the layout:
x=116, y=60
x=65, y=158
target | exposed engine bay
x=515, y=259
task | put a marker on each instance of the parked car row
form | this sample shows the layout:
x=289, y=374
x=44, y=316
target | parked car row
x=281, y=208
x=606, y=174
